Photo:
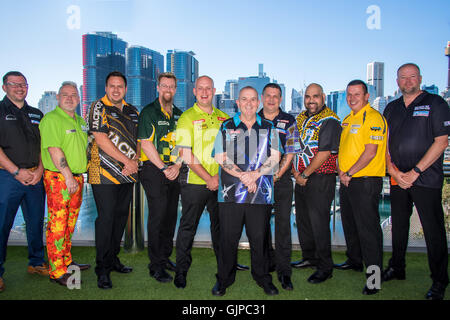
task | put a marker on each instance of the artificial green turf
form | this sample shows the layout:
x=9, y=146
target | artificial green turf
x=138, y=285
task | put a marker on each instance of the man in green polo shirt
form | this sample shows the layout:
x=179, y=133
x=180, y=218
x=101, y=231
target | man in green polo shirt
x=63, y=150
x=156, y=132
x=195, y=135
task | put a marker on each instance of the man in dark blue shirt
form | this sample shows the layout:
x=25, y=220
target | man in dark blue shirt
x=247, y=149
x=419, y=125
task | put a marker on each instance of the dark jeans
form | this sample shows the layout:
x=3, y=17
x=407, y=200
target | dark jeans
x=113, y=207
x=194, y=199
x=32, y=201
x=312, y=208
x=233, y=217
x=162, y=198
x=281, y=256
x=428, y=202
x=361, y=220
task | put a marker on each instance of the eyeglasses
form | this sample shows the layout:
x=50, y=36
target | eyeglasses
x=165, y=86
x=17, y=85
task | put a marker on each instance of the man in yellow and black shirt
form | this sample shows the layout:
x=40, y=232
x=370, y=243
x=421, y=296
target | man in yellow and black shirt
x=361, y=167
x=157, y=124
x=112, y=171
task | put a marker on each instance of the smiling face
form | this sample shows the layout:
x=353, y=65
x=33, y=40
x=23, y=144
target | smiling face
x=68, y=99
x=356, y=97
x=314, y=99
x=204, y=92
x=167, y=88
x=271, y=99
x=409, y=80
x=16, y=89
x=116, y=90
x=248, y=103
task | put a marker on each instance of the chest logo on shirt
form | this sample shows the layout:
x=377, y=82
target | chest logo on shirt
x=345, y=124
x=71, y=131
x=281, y=125
x=163, y=123
x=10, y=117
x=422, y=108
x=421, y=113
x=221, y=119
x=35, y=116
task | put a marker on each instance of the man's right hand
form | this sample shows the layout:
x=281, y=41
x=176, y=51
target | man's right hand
x=131, y=167
x=213, y=183
x=24, y=176
x=72, y=185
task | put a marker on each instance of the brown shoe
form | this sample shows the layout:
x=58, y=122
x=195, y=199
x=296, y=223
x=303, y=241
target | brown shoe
x=41, y=270
x=2, y=285
x=62, y=280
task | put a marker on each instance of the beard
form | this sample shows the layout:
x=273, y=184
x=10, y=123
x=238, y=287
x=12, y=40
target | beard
x=167, y=99
x=409, y=91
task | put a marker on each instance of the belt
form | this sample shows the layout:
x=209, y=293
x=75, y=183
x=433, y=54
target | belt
x=32, y=168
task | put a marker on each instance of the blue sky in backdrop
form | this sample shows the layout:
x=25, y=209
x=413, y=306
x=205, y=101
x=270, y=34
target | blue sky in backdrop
x=298, y=42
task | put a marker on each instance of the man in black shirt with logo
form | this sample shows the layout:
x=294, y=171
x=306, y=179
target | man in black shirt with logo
x=419, y=125
x=21, y=171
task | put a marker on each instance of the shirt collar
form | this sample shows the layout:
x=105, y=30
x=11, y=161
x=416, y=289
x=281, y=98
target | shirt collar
x=9, y=102
x=198, y=109
x=237, y=119
x=106, y=101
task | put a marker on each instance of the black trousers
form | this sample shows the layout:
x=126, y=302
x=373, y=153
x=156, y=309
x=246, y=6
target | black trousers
x=233, y=217
x=162, y=198
x=428, y=202
x=361, y=220
x=113, y=207
x=312, y=207
x=194, y=199
x=281, y=256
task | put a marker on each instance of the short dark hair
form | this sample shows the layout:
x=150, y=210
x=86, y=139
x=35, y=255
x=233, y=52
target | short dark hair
x=13, y=73
x=357, y=83
x=409, y=64
x=116, y=74
x=274, y=86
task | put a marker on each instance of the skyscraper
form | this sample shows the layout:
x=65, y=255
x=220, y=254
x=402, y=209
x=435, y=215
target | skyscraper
x=447, y=53
x=185, y=67
x=47, y=102
x=103, y=52
x=375, y=77
x=143, y=67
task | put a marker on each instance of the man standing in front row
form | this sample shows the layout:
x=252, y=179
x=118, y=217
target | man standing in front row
x=63, y=150
x=419, y=125
x=361, y=168
x=315, y=176
x=284, y=124
x=112, y=171
x=21, y=172
x=196, y=131
x=157, y=124
x=247, y=149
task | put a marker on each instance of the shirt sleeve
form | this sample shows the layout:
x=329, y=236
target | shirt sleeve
x=50, y=135
x=218, y=147
x=330, y=135
x=98, y=121
x=275, y=142
x=184, y=132
x=146, y=129
x=375, y=131
x=292, y=139
x=440, y=117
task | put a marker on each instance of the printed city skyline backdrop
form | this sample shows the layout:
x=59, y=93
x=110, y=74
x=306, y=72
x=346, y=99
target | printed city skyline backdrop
x=237, y=43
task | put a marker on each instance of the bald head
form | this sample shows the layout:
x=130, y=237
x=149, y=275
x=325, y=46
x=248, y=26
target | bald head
x=314, y=98
x=316, y=86
x=199, y=79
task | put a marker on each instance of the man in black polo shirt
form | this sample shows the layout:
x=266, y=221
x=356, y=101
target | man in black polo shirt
x=21, y=171
x=284, y=124
x=419, y=125
x=157, y=124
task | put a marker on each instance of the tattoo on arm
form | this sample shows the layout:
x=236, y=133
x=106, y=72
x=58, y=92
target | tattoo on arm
x=63, y=163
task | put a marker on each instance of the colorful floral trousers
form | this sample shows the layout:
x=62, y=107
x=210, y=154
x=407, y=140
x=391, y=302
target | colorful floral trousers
x=63, y=210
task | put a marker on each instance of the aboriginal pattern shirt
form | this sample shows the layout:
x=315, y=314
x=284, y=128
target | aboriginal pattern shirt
x=121, y=127
x=319, y=132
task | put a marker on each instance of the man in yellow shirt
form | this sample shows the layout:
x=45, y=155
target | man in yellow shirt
x=361, y=167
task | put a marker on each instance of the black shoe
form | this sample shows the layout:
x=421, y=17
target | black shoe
x=161, y=276
x=272, y=268
x=436, y=292
x=366, y=291
x=390, y=274
x=302, y=264
x=269, y=288
x=348, y=266
x=218, y=289
x=171, y=266
x=122, y=269
x=180, y=280
x=80, y=265
x=104, y=282
x=286, y=282
x=241, y=267
x=62, y=280
x=319, y=276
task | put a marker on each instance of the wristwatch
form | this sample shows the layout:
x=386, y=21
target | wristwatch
x=348, y=174
x=417, y=170
x=304, y=176
x=15, y=173
x=164, y=168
